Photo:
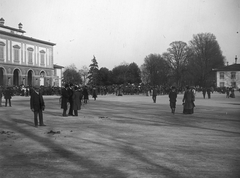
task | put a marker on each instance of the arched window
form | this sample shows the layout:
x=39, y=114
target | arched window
x=16, y=53
x=2, y=45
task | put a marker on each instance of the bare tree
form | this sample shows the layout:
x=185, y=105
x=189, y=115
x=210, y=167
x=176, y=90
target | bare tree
x=156, y=68
x=206, y=56
x=84, y=73
x=177, y=57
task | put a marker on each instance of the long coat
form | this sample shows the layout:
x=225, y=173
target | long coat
x=8, y=94
x=77, y=97
x=188, y=100
x=36, y=101
x=85, y=93
x=65, y=97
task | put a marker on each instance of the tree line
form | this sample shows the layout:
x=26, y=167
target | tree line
x=182, y=64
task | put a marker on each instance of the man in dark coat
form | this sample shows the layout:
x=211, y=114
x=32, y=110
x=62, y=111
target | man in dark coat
x=70, y=100
x=85, y=94
x=173, y=99
x=8, y=96
x=1, y=94
x=154, y=94
x=37, y=106
x=65, y=98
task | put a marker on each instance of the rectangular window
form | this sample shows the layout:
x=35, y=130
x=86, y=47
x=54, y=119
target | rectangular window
x=16, y=55
x=42, y=58
x=221, y=84
x=233, y=84
x=1, y=52
x=30, y=57
x=221, y=75
x=233, y=75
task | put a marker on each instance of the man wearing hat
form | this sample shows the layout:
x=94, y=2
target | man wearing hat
x=37, y=106
x=64, y=100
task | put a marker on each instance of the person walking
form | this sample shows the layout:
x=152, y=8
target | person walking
x=154, y=94
x=94, y=93
x=188, y=101
x=77, y=100
x=70, y=100
x=1, y=95
x=227, y=92
x=209, y=93
x=173, y=99
x=37, y=106
x=232, y=94
x=85, y=94
x=8, y=96
x=204, y=92
x=64, y=100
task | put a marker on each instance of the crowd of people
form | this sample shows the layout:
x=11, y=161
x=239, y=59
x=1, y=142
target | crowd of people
x=72, y=96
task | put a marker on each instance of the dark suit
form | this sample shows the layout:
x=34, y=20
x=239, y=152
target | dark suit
x=70, y=99
x=37, y=106
x=64, y=102
x=8, y=96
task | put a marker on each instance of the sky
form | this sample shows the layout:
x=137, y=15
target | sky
x=123, y=31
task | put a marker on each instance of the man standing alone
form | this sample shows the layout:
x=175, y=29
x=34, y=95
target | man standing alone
x=1, y=94
x=8, y=96
x=37, y=106
x=154, y=94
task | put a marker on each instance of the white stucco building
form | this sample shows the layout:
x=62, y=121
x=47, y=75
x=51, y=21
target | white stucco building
x=228, y=76
x=25, y=60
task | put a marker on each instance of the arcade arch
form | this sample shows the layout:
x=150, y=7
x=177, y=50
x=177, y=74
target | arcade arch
x=16, y=74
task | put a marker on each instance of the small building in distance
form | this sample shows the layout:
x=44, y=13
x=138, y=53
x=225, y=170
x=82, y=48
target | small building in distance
x=228, y=76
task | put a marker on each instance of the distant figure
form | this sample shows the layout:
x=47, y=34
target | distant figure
x=173, y=99
x=188, y=101
x=8, y=96
x=154, y=94
x=232, y=94
x=37, y=106
x=70, y=99
x=209, y=93
x=204, y=92
x=227, y=92
x=77, y=99
x=1, y=95
x=85, y=94
x=64, y=100
x=94, y=93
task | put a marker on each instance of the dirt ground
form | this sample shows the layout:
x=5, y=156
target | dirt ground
x=122, y=137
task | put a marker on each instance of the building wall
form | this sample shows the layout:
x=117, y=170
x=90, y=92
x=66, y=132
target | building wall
x=33, y=56
x=227, y=79
x=57, y=81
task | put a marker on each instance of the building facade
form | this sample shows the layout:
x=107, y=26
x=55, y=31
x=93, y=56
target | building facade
x=24, y=60
x=228, y=76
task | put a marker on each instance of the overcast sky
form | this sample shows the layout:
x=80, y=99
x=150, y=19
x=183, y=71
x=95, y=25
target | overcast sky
x=117, y=31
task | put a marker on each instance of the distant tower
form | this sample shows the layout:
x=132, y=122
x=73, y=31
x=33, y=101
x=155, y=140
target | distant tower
x=236, y=59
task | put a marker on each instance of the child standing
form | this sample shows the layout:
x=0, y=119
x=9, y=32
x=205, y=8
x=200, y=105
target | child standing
x=173, y=99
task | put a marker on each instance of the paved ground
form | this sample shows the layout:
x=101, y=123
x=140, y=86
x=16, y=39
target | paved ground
x=122, y=137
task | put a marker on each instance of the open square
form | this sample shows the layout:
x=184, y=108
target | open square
x=122, y=137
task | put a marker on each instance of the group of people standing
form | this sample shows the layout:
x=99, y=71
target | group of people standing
x=71, y=99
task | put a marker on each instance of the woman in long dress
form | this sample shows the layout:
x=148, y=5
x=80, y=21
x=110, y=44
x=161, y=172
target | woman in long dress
x=188, y=101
